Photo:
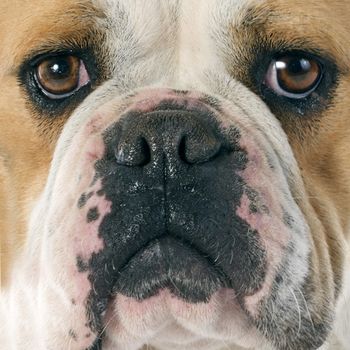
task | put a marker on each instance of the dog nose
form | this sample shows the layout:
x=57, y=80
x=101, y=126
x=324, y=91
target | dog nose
x=184, y=136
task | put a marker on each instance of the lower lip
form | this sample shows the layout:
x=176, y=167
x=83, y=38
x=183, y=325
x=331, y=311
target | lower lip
x=170, y=320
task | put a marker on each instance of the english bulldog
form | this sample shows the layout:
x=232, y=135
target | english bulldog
x=175, y=174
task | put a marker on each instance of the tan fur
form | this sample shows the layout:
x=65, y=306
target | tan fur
x=26, y=146
x=324, y=153
x=24, y=158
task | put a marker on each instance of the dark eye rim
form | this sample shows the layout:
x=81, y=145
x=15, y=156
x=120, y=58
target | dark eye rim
x=284, y=108
x=41, y=104
x=263, y=56
x=38, y=60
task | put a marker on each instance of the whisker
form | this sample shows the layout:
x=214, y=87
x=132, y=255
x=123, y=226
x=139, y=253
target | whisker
x=70, y=344
x=307, y=310
x=107, y=324
x=174, y=285
x=299, y=310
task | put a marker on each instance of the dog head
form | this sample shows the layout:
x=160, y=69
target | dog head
x=175, y=173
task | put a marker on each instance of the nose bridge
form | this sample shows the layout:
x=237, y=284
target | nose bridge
x=178, y=53
x=195, y=48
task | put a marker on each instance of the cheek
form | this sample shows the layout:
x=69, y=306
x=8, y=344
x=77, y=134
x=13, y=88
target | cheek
x=74, y=216
x=266, y=198
x=263, y=207
x=87, y=222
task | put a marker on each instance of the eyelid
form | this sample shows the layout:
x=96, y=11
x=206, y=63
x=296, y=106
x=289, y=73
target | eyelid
x=38, y=58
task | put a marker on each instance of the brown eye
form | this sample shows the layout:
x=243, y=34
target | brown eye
x=294, y=76
x=61, y=76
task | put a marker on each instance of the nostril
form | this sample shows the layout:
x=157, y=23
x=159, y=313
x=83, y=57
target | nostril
x=193, y=149
x=137, y=153
x=182, y=150
x=145, y=152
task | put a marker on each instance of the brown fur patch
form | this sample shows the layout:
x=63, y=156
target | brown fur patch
x=28, y=27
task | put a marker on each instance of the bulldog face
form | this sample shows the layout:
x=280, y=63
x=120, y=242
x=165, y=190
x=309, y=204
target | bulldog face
x=174, y=174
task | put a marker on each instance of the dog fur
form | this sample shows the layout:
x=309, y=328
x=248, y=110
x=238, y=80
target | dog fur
x=141, y=48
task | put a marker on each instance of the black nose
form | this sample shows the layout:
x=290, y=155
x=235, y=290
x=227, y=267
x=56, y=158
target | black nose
x=181, y=135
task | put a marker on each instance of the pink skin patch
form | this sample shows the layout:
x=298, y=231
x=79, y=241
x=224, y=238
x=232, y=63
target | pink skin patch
x=85, y=238
x=272, y=231
x=75, y=238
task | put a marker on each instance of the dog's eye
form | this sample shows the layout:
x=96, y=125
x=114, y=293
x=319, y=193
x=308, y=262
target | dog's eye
x=61, y=76
x=294, y=76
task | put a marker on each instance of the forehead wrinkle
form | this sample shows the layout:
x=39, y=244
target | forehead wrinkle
x=140, y=40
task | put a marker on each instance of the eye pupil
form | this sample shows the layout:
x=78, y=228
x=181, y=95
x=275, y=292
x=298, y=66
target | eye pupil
x=299, y=67
x=60, y=69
